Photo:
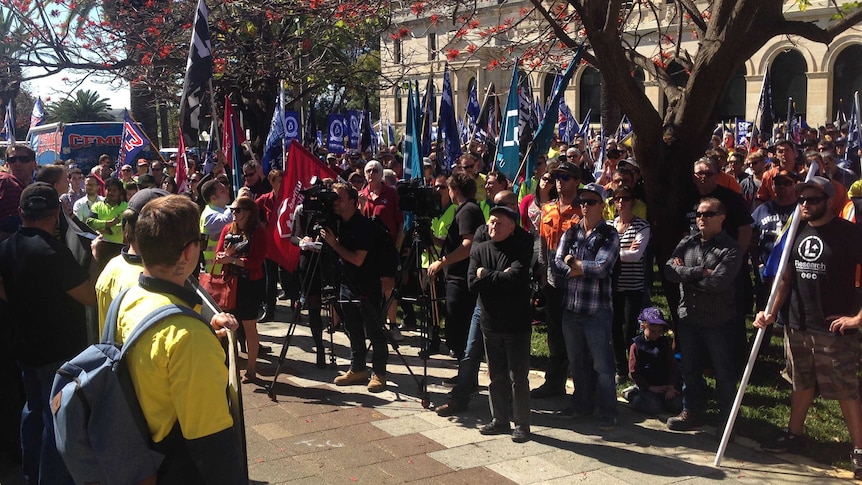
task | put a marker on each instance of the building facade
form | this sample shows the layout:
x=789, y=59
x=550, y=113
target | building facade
x=820, y=79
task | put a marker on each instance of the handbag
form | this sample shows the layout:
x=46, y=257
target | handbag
x=222, y=287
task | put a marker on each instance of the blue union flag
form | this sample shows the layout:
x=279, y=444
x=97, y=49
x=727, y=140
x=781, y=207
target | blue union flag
x=134, y=140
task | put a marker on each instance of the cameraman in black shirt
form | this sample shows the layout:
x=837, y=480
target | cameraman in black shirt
x=360, y=292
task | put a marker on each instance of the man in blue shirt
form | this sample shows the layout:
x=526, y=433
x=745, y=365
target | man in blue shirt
x=585, y=258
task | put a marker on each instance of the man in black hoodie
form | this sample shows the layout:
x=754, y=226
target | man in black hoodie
x=500, y=273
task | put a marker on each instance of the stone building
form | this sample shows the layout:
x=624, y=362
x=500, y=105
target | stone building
x=820, y=79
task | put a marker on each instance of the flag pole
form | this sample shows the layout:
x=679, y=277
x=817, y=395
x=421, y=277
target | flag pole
x=484, y=102
x=214, y=117
x=147, y=135
x=790, y=235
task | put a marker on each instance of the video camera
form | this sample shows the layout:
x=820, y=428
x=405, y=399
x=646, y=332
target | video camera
x=421, y=200
x=319, y=204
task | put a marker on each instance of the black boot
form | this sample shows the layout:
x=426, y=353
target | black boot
x=316, y=325
x=268, y=314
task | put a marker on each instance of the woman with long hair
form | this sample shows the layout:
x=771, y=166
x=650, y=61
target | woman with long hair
x=531, y=205
x=629, y=275
x=242, y=249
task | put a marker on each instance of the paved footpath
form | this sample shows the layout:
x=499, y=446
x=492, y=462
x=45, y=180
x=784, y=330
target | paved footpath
x=318, y=433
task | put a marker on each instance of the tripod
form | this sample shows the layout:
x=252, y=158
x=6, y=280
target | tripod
x=425, y=298
x=327, y=297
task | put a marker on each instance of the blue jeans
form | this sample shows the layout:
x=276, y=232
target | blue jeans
x=509, y=366
x=468, y=367
x=697, y=346
x=42, y=463
x=591, y=359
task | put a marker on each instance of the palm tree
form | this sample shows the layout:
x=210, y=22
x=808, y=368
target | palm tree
x=86, y=106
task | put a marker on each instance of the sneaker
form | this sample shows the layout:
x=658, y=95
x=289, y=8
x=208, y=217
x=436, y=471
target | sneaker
x=521, y=434
x=352, y=377
x=607, y=424
x=856, y=463
x=684, y=421
x=377, y=383
x=495, y=427
x=396, y=334
x=546, y=390
x=451, y=408
x=785, y=442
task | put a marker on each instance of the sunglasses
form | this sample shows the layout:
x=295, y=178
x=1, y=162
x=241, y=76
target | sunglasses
x=563, y=176
x=783, y=183
x=704, y=174
x=811, y=200
x=705, y=215
x=236, y=210
x=18, y=159
x=588, y=202
x=157, y=170
x=126, y=169
x=624, y=198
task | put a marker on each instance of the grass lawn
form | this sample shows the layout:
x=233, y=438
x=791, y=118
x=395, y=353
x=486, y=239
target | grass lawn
x=766, y=405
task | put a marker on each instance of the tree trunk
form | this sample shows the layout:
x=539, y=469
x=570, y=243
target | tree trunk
x=612, y=114
x=144, y=111
x=165, y=127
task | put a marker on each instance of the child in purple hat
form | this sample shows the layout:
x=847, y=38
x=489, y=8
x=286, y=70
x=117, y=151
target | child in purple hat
x=653, y=368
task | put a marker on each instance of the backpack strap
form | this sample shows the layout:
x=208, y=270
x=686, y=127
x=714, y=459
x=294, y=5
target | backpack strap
x=153, y=318
x=109, y=334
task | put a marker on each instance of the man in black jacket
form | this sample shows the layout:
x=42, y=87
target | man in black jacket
x=500, y=273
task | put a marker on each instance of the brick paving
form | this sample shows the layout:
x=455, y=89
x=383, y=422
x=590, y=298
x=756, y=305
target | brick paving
x=318, y=433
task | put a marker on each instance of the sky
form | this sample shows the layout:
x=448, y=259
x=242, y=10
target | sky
x=55, y=88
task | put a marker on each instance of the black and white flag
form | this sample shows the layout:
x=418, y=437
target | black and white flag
x=199, y=70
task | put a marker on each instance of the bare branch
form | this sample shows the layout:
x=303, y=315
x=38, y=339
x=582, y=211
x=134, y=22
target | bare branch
x=561, y=34
x=694, y=13
x=810, y=30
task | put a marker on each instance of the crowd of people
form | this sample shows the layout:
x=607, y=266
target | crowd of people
x=569, y=246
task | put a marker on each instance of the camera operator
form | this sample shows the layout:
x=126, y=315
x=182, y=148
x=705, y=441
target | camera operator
x=361, y=285
x=456, y=251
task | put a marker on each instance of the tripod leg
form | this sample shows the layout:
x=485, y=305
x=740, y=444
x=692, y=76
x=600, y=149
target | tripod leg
x=285, y=345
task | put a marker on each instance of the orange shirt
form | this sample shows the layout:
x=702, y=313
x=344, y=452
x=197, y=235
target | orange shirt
x=729, y=181
x=555, y=223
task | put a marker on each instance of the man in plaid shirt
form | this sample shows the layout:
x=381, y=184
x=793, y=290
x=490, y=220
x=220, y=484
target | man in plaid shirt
x=585, y=258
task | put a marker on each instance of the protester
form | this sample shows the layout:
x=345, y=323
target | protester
x=242, y=248
x=179, y=362
x=629, y=275
x=45, y=290
x=499, y=272
x=653, y=367
x=213, y=220
x=821, y=341
x=585, y=258
x=705, y=265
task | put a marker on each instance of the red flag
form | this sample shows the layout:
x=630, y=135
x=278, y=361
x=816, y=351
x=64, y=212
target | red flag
x=182, y=165
x=301, y=166
x=231, y=138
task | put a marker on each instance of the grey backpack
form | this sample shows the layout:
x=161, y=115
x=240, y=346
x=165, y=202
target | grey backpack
x=98, y=423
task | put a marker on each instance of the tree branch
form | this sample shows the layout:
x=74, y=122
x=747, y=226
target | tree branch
x=694, y=13
x=561, y=34
x=810, y=30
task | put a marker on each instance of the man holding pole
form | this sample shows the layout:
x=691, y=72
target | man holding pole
x=821, y=341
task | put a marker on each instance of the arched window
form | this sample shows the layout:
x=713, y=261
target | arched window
x=789, y=81
x=732, y=104
x=847, y=79
x=399, y=117
x=590, y=93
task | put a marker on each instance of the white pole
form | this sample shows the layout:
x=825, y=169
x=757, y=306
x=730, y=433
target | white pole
x=770, y=308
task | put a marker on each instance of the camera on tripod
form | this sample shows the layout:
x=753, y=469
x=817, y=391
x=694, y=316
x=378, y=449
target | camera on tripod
x=319, y=204
x=424, y=202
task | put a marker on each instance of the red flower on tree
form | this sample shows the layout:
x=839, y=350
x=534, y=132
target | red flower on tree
x=452, y=54
x=417, y=8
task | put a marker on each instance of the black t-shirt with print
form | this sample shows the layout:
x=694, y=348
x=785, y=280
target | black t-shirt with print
x=468, y=218
x=824, y=263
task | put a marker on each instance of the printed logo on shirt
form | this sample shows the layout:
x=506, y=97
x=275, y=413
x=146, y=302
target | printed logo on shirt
x=810, y=251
